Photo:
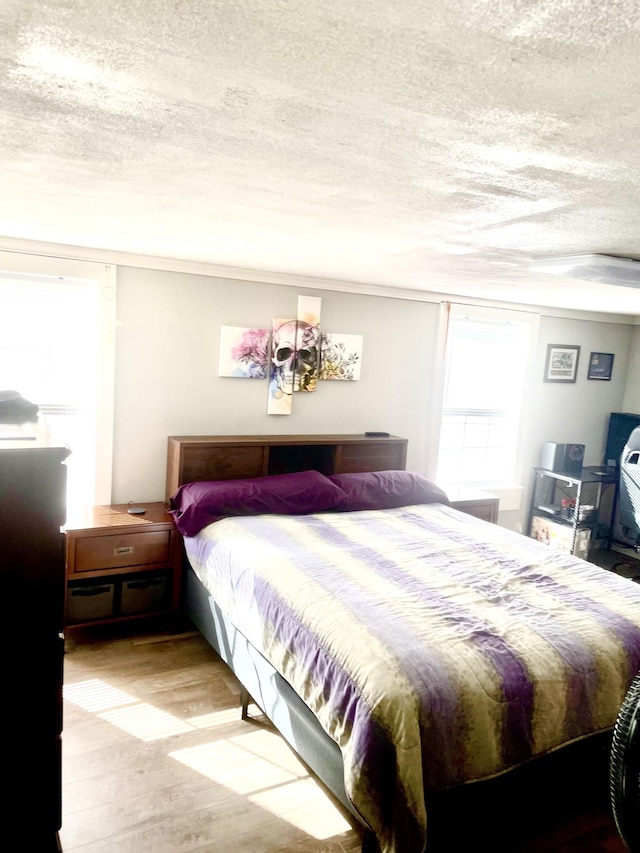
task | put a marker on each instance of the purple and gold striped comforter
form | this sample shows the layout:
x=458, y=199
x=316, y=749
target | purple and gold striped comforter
x=435, y=649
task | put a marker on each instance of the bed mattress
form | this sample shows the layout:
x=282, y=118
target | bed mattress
x=434, y=648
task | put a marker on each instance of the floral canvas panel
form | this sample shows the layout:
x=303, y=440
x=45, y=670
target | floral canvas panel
x=243, y=352
x=341, y=356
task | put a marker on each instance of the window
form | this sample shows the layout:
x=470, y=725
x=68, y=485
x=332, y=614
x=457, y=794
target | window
x=487, y=358
x=56, y=349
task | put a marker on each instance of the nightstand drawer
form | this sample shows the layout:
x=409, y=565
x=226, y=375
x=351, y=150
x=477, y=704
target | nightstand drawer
x=129, y=549
x=90, y=600
x=143, y=593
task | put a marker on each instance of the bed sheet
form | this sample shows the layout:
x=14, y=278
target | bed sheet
x=434, y=648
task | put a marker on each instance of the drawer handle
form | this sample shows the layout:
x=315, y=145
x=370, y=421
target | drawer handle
x=124, y=549
x=94, y=590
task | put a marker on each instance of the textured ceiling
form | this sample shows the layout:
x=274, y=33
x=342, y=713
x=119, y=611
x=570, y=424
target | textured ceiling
x=437, y=145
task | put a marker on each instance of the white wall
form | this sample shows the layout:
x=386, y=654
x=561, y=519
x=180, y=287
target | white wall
x=167, y=341
x=573, y=412
x=579, y=412
x=632, y=391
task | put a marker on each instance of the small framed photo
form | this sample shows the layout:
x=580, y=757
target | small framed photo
x=600, y=365
x=562, y=363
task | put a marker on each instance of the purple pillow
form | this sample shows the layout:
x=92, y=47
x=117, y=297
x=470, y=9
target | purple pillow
x=386, y=490
x=194, y=505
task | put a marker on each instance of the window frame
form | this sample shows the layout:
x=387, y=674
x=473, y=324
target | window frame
x=103, y=277
x=510, y=492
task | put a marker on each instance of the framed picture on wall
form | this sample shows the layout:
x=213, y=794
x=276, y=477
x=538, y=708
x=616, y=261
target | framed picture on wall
x=562, y=363
x=600, y=365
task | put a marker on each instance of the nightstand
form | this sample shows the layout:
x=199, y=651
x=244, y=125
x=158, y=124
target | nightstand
x=121, y=566
x=474, y=502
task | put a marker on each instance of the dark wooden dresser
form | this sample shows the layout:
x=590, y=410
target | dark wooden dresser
x=32, y=512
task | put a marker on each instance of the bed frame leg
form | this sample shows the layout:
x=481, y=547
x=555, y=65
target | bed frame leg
x=244, y=703
x=261, y=720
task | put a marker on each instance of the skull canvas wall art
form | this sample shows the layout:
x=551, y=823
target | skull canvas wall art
x=283, y=358
x=294, y=354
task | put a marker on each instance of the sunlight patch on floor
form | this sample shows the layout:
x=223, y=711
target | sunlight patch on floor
x=260, y=767
x=95, y=695
x=257, y=765
x=140, y=719
x=305, y=806
x=215, y=718
x=146, y=722
x=245, y=763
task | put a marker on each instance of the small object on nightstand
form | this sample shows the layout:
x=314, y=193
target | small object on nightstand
x=136, y=510
x=377, y=434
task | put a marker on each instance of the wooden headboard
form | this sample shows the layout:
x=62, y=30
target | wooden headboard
x=192, y=458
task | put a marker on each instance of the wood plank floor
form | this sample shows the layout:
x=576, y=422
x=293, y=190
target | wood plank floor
x=157, y=760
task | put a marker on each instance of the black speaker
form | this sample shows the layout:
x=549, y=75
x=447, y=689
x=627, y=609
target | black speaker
x=562, y=458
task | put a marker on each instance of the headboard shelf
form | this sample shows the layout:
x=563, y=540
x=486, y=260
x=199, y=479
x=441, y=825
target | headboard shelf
x=193, y=458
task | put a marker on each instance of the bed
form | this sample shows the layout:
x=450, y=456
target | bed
x=400, y=646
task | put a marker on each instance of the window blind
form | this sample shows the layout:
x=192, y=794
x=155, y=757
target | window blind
x=487, y=356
